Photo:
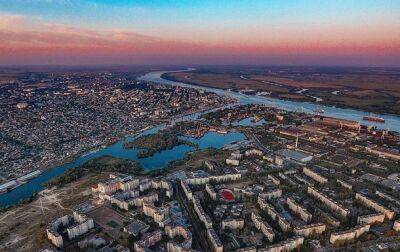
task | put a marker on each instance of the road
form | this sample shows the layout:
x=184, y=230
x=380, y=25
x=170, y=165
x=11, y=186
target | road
x=197, y=230
x=253, y=137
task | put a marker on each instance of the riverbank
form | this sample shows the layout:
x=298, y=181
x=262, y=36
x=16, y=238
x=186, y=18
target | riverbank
x=129, y=134
x=83, y=152
x=388, y=106
x=96, y=147
x=97, y=165
x=392, y=122
x=26, y=193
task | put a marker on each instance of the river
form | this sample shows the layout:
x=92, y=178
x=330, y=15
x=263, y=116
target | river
x=392, y=122
x=210, y=139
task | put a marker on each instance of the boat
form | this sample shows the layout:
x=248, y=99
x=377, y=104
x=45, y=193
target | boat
x=374, y=119
x=29, y=176
x=11, y=185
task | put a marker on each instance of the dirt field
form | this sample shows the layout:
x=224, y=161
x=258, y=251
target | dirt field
x=225, y=81
x=24, y=228
x=109, y=220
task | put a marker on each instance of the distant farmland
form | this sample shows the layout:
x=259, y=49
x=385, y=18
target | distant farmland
x=371, y=89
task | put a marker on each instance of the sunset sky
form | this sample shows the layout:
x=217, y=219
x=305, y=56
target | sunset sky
x=284, y=32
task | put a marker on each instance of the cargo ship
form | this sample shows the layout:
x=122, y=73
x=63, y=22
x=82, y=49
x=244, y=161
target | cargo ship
x=374, y=119
x=11, y=185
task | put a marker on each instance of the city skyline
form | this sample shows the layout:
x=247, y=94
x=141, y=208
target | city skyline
x=351, y=33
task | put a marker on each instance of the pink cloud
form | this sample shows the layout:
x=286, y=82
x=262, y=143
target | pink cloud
x=26, y=41
x=11, y=21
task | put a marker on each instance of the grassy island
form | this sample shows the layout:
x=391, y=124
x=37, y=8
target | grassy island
x=151, y=144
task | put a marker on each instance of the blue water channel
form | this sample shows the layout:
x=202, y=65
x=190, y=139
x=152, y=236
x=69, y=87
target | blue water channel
x=157, y=161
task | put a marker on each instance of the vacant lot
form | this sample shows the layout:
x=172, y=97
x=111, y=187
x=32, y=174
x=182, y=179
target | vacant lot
x=109, y=220
x=24, y=228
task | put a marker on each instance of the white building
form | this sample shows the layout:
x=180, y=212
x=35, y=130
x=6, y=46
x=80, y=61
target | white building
x=310, y=230
x=348, y=235
x=376, y=206
x=233, y=162
x=232, y=223
x=216, y=243
x=263, y=226
x=210, y=190
x=296, y=208
x=371, y=218
x=314, y=175
x=75, y=225
x=396, y=225
x=335, y=206
x=288, y=245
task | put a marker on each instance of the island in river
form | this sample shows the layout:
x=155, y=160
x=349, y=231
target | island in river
x=149, y=145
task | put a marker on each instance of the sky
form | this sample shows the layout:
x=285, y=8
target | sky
x=175, y=32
